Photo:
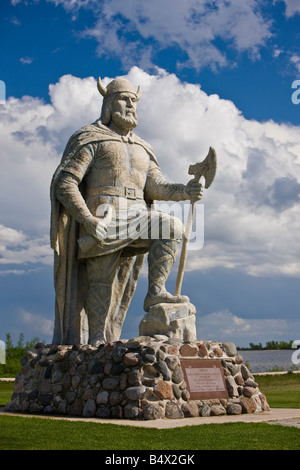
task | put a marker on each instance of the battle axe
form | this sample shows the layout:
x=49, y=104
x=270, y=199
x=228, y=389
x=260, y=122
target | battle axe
x=207, y=169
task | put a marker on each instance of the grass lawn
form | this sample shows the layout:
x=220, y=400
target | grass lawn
x=6, y=390
x=282, y=391
x=46, y=434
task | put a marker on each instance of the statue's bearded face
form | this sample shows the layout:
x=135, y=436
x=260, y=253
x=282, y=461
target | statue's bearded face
x=123, y=111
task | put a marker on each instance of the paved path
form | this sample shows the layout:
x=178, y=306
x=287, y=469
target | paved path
x=294, y=422
x=284, y=416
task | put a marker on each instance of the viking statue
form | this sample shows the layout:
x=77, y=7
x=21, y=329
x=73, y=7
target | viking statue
x=103, y=223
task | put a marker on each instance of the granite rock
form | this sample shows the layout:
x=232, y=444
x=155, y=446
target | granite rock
x=138, y=379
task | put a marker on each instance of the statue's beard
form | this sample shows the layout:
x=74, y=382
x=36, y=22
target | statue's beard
x=125, y=120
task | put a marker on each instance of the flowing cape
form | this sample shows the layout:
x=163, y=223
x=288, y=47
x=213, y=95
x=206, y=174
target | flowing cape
x=70, y=282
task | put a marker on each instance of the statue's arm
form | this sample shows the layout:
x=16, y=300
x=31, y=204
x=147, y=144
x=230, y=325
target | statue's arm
x=68, y=193
x=158, y=188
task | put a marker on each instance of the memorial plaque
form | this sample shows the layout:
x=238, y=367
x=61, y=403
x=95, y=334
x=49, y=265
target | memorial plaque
x=204, y=378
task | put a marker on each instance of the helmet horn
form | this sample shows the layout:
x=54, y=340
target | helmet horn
x=101, y=88
x=138, y=93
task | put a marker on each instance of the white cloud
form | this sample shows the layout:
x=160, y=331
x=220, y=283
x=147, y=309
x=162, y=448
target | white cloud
x=10, y=236
x=292, y=7
x=38, y=324
x=33, y=135
x=75, y=102
x=252, y=208
x=252, y=218
x=26, y=165
x=225, y=326
x=15, y=21
x=17, y=272
x=295, y=60
x=26, y=60
x=125, y=28
x=18, y=248
x=277, y=52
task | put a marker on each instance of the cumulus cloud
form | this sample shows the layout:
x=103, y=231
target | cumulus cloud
x=251, y=210
x=125, y=29
x=19, y=248
x=224, y=325
x=33, y=135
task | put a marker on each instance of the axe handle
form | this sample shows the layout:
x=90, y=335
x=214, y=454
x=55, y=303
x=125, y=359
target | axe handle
x=185, y=242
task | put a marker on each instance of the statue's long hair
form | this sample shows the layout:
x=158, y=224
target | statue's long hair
x=106, y=111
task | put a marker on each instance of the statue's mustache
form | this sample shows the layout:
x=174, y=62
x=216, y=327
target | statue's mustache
x=126, y=114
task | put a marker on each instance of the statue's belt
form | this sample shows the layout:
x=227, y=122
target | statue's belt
x=129, y=193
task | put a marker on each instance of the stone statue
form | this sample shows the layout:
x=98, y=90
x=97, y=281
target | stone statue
x=103, y=221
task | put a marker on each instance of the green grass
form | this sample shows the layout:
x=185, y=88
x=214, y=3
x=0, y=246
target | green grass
x=282, y=391
x=46, y=434
x=6, y=390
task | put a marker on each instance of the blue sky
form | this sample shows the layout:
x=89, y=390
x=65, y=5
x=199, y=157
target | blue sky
x=213, y=73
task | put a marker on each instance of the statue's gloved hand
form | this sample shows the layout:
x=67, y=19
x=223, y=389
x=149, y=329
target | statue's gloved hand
x=194, y=190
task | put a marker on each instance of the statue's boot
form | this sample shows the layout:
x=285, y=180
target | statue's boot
x=161, y=258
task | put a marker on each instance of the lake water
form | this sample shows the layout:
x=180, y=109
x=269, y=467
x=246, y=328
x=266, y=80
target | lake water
x=268, y=360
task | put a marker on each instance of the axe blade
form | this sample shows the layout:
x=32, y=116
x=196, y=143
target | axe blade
x=207, y=168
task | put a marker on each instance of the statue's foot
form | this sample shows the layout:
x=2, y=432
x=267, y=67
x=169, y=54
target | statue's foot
x=164, y=298
x=96, y=342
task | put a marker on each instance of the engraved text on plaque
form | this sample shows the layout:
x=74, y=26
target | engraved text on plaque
x=204, y=378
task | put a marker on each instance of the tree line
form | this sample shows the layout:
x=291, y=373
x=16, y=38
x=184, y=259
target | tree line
x=270, y=345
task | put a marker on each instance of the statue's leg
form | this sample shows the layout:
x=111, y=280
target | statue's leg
x=161, y=257
x=100, y=274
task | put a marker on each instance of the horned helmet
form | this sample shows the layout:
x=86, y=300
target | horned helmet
x=119, y=85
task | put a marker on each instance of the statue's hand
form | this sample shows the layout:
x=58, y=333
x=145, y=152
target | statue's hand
x=96, y=227
x=194, y=190
x=101, y=230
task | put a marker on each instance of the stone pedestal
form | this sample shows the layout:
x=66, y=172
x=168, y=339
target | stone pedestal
x=143, y=378
x=173, y=320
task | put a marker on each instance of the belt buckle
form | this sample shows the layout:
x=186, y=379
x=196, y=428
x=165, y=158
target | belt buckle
x=130, y=193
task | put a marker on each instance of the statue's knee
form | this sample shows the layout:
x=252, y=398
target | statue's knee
x=178, y=231
x=173, y=229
